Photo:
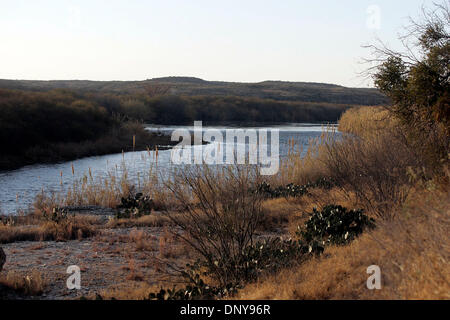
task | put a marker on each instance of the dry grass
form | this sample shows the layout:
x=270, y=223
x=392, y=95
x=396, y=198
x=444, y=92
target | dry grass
x=368, y=168
x=142, y=240
x=31, y=284
x=412, y=252
x=277, y=214
x=106, y=191
x=77, y=227
x=376, y=170
x=428, y=140
x=152, y=220
x=135, y=274
x=304, y=166
x=131, y=291
x=366, y=121
x=361, y=166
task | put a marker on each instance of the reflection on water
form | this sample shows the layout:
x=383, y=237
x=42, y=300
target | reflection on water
x=19, y=187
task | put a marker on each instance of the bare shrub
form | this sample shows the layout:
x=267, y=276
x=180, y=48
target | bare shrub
x=221, y=214
x=374, y=169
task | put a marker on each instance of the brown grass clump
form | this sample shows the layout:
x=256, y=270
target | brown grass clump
x=169, y=247
x=277, y=213
x=71, y=228
x=383, y=161
x=107, y=191
x=135, y=274
x=366, y=121
x=152, y=220
x=31, y=284
x=142, y=240
x=360, y=166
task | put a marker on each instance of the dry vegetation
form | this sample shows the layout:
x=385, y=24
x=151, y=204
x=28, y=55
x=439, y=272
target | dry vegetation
x=376, y=195
x=31, y=284
x=366, y=121
x=412, y=252
x=46, y=230
x=376, y=169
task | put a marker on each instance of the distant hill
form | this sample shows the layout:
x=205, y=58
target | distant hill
x=190, y=86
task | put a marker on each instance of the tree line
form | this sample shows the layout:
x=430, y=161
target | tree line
x=33, y=122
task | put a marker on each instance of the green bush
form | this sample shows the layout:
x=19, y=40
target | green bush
x=263, y=256
x=335, y=225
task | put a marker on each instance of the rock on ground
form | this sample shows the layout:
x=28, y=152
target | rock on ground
x=2, y=258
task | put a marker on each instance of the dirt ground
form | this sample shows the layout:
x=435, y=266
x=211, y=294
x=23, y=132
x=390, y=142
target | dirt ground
x=115, y=257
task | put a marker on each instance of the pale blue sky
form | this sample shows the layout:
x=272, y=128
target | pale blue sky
x=248, y=41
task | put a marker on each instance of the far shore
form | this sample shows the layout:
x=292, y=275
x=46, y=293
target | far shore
x=61, y=152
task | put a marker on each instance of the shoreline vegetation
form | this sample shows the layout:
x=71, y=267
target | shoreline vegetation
x=118, y=139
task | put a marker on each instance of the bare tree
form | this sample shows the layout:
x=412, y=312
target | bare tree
x=220, y=215
x=432, y=28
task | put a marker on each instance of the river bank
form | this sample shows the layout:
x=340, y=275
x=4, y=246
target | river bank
x=117, y=140
x=20, y=187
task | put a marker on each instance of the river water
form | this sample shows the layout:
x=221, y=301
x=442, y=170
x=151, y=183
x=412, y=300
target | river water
x=19, y=187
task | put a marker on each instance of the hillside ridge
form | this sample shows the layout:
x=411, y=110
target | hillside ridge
x=192, y=86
